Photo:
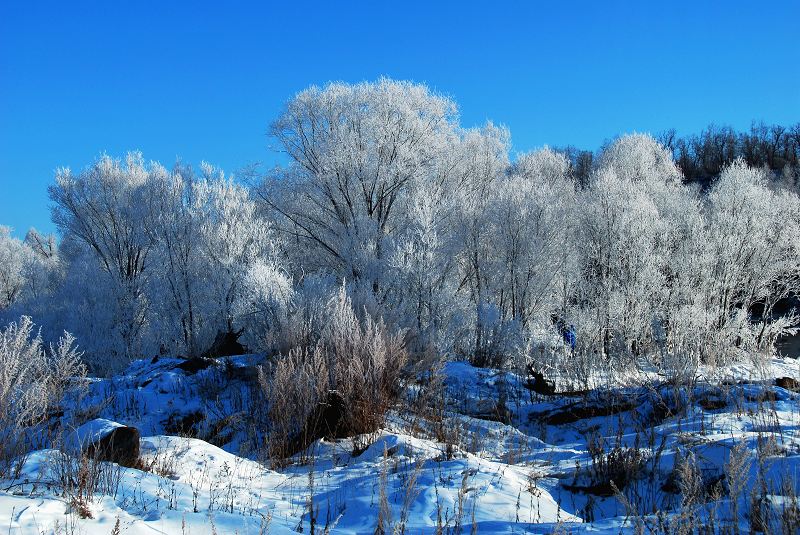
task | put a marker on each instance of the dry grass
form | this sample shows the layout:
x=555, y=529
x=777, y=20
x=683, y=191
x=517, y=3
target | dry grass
x=340, y=386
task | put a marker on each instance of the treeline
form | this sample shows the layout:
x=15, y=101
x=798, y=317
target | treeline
x=424, y=238
x=702, y=157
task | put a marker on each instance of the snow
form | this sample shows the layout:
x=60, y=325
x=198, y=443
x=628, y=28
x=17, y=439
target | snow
x=204, y=484
x=523, y=475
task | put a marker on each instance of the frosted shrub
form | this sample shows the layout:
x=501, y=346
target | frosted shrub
x=33, y=381
x=340, y=386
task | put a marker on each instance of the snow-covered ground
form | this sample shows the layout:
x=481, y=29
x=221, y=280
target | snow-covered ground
x=497, y=459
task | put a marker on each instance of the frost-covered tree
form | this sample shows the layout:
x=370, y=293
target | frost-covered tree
x=104, y=208
x=628, y=216
x=754, y=255
x=14, y=256
x=640, y=158
x=620, y=229
x=179, y=318
x=356, y=152
x=209, y=240
x=425, y=264
x=433, y=256
x=44, y=270
x=429, y=227
x=380, y=174
x=238, y=245
x=30, y=272
x=158, y=260
x=262, y=311
x=484, y=164
x=532, y=218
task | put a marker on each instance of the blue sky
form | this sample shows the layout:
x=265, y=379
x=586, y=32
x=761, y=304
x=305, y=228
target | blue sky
x=202, y=80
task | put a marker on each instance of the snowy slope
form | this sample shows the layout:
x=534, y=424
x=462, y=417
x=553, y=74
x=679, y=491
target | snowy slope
x=502, y=460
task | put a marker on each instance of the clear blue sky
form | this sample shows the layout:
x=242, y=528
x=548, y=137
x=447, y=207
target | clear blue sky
x=202, y=80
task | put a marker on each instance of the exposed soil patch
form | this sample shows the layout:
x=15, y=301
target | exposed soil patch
x=195, y=364
x=185, y=425
x=583, y=410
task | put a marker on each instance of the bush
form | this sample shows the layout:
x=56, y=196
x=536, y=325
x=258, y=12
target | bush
x=33, y=381
x=339, y=386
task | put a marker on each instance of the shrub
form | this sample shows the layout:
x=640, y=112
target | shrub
x=33, y=381
x=339, y=386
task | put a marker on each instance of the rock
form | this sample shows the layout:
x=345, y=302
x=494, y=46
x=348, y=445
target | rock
x=788, y=383
x=121, y=446
x=106, y=441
